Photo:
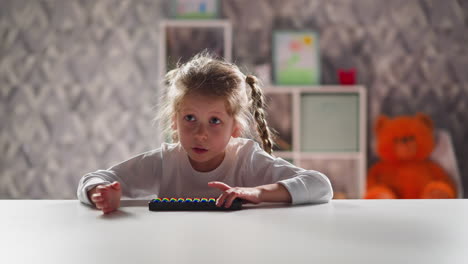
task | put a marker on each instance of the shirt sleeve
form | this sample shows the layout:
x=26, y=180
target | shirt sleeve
x=138, y=176
x=304, y=186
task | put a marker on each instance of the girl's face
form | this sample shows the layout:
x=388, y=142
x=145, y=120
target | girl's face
x=204, y=128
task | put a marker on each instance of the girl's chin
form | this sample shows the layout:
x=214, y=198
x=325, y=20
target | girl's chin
x=194, y=157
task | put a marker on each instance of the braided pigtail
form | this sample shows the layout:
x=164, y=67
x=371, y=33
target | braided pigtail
x=258, y=106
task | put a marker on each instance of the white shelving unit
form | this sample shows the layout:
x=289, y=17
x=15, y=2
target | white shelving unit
x=350, y=183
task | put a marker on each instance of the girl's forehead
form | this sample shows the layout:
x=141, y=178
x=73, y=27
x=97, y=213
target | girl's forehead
x=203, y=102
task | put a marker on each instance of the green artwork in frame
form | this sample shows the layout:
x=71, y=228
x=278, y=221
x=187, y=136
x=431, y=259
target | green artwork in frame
x=330, y=122
x=296, y=58
x=195, y=9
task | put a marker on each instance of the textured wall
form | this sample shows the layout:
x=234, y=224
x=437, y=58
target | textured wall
x=78, y=82
x=78, y=78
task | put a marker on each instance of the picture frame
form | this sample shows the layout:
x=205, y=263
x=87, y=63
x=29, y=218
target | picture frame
x=182, y=39
x=332, y=122
x=296, y=58
x=195, y=9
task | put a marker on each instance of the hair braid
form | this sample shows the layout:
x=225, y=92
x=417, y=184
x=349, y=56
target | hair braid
x=258, y=106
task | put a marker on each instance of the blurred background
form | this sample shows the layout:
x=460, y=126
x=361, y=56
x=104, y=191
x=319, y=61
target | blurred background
x=79, y=82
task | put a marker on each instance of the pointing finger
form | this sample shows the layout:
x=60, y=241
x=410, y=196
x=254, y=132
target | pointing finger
x=220, y=185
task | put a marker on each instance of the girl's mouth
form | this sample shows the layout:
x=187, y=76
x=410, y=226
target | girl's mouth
x=199, y=150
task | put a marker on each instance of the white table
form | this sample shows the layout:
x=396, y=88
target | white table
x=343, y=231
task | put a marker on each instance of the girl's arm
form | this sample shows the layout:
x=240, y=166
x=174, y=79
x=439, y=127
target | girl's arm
x=266, y=193
x=303, y=186
x=275, y=192
x=136, y=176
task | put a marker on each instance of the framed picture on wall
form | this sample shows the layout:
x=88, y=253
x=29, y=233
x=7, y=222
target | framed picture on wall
x=296, y=59
x=182, y=39
x=195, y=9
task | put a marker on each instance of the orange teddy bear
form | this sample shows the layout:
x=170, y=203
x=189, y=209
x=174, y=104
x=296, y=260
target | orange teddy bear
x=405, y=171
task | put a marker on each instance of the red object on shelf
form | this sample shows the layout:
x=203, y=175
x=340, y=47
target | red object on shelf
x=347, y=77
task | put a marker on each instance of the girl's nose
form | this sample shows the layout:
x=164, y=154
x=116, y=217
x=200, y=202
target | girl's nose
x=201, y=132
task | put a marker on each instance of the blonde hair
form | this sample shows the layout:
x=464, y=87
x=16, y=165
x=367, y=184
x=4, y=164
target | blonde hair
x=207, y=76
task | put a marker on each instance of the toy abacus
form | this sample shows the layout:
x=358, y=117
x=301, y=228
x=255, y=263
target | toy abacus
x=190, y=204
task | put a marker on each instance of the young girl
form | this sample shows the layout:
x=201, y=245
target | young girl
x=209, y=108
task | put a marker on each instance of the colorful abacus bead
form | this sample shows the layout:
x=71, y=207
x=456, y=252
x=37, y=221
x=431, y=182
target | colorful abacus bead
x=196, y=200
x=203, y=200
x=165, y=200
x=212, y=200
x=157, y=200
x=188, y=200
x=180, y=200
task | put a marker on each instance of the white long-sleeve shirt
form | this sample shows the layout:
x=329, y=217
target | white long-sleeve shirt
x=167, y=172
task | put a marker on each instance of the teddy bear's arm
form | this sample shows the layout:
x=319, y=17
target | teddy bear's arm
x=377, y=179
x=441, y=186
x=438, y=172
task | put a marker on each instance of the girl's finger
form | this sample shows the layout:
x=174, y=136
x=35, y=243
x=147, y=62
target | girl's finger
x=107, y=210
x=105, y=195
x=221, y=199
x=101, y=188
x=115, y=185
x=102, y=192
x=97, y=198
x=230, y=199
x=101, y=205
x=220, y=185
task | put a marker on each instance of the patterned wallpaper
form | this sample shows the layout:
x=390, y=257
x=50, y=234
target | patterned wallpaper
x=78, y=80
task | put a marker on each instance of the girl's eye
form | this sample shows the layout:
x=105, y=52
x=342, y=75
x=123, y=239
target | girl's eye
x=189, y=118
x=215, y=121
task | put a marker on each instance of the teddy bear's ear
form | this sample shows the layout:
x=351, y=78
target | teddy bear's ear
x=425, y=119
x=381, y=120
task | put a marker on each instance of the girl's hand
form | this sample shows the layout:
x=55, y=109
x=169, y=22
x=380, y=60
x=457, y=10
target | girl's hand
x=251, y=195
x=106, y=197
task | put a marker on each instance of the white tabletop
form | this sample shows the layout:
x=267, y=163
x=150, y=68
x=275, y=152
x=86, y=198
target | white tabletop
x=342, y=231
